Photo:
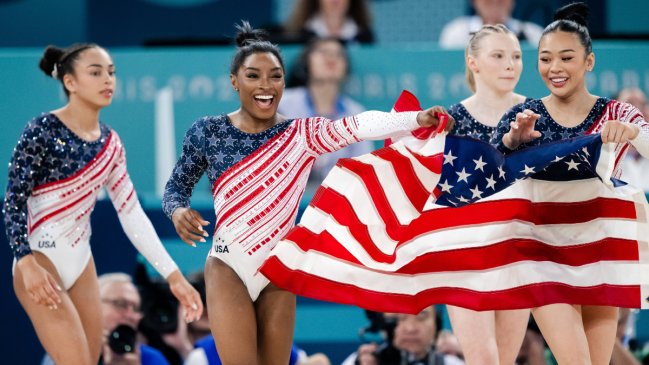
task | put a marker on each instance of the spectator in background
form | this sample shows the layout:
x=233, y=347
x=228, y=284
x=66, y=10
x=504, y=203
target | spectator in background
x=635, y=97
x=316, y=89
x=413, y=343
x=457, y=32
x=161, y=323
x=121, y=306
x=348, y=20
x=635, y=168
x=121, y=314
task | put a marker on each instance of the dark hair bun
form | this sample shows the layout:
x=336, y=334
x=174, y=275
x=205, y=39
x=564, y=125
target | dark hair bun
x=51, y=56
x=577, y=12
x=246, y=34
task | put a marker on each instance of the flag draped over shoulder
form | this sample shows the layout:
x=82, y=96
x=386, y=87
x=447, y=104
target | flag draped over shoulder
x=449, y=219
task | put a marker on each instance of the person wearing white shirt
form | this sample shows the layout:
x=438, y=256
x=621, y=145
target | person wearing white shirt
x=457, y=32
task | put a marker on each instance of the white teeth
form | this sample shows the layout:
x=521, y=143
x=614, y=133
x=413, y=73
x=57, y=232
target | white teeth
x=559, y=80
x=264, y=97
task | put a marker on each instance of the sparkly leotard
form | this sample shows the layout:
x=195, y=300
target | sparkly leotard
x=604, y=110
x=258, y=179
x=54, y=180
x=467, y=125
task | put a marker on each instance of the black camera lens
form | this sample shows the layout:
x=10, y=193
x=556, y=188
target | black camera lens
x=122, y=339
x=160, y=317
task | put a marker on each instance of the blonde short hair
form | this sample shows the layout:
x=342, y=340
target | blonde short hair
x=473, y=46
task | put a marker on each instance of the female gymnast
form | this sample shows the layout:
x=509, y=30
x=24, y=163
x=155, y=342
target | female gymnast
x=494, y=65
x=575, y=333
x=258, y=162
x=62, y=161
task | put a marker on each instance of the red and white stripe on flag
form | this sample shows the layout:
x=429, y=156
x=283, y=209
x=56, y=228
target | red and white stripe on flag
x=367, y=240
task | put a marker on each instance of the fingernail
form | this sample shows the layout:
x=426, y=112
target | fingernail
x=203, y=240
x=204, y=234
x=58, y=287
x=194, y=306
x=200, y=228
x=193, y=244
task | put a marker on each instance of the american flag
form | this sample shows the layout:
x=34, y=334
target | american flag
x=451, y=220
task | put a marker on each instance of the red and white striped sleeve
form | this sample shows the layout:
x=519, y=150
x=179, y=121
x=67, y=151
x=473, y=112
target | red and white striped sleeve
x=630, y=114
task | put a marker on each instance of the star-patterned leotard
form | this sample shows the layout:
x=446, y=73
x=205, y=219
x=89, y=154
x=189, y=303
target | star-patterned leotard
x=54, y=179
x=258, y=179
x=604, y=110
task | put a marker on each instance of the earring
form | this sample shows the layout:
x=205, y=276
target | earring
x=236, y=89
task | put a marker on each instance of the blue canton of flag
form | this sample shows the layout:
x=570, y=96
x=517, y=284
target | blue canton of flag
x=473, y=170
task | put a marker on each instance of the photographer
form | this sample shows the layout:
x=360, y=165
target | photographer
x=121, y=306
x=411, y=340
x=120, y=316
x=161, y=325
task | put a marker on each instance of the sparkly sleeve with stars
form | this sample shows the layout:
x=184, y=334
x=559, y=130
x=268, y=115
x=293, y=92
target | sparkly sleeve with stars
x=134, y=221
x=376, y=125
x=188, y=170
x=24, y=171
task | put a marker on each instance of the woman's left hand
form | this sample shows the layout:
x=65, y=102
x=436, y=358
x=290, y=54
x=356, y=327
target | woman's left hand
x=617, y=132
x=186, y=295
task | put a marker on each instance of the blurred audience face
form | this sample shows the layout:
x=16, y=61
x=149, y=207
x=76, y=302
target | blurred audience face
x=415, y=334
x=499, y=63
x=635, y=97
x=120, y=305
x=327, y=62
x=494, y=11
x=334, y=8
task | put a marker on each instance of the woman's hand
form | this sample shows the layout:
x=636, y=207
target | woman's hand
x=522, y=129
x=188, y=297
x=189, y=225
x=429, y=118
x=617, y=132
x=39, y=283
